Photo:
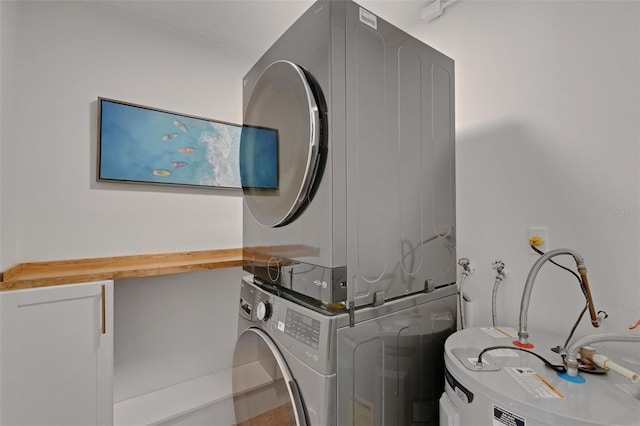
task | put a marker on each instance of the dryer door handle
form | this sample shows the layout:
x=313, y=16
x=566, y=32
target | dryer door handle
x=297, y=399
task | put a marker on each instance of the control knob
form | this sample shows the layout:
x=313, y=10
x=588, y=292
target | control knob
x=263, y=311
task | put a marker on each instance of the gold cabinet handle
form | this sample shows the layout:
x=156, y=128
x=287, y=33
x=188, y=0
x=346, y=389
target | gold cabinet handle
x=104, y=311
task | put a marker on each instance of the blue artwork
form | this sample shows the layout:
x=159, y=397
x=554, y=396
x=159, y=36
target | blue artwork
x=141, y=144
x=259, y=158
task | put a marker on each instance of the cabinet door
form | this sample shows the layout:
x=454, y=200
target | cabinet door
x=56, y=355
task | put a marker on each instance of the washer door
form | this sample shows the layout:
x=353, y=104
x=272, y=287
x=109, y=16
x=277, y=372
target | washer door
x=281, y=143
x=264, y=392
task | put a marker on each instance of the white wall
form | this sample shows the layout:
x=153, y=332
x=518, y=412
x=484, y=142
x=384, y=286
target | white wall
x=8, y=147
x=170, y=330
x=2, y=84
x=547, y=128
x=548, y=107
x=66, y=55
x=57, y=58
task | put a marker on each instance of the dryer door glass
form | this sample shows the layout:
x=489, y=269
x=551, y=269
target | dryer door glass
x=280, y=143
x=264, y=392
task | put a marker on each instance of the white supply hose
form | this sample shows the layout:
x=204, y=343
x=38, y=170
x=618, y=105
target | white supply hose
x=571, y=359
x=604, y=362
x=463, y=323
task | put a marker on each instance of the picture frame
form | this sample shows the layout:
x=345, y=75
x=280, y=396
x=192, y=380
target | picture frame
x=146, y=145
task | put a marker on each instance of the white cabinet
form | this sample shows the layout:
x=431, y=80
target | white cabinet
x=56, y=355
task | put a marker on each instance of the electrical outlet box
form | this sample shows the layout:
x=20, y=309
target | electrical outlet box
x=542, y=232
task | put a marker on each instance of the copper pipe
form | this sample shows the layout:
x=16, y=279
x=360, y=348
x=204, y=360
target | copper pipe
x=523, y=334
x=587, y=292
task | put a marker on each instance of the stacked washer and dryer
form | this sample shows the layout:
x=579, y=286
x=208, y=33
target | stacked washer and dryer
x=347, y=165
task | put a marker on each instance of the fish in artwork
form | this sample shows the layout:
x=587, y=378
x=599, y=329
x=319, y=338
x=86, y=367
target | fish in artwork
x=185, y=150
x=169, y=136
x=180, y=126
x=161, y=172
x=178, y=164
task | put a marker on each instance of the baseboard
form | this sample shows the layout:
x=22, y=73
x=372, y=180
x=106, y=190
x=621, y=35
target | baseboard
x=165, y=405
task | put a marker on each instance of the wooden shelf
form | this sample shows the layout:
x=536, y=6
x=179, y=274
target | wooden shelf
x=42, y=274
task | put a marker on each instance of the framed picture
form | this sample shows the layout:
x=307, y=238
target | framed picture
x=259, y=158
x=139, y=144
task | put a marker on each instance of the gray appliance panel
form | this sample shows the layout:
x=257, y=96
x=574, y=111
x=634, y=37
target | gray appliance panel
x=400, y=184
x=322, y=358
x=307, y=335
x=306, y=341
x=383, y=212
x=318, y=282
x=316, y=236
x=391, y=358
x=390, y=368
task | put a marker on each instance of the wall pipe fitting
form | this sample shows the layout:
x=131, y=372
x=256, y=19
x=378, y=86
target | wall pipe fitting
x=501, y=274
x=572, y=354
x=466, y=270
x=523, y=334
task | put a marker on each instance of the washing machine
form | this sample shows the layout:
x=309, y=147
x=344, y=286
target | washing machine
x=516, y=388
x=300, y=362
x=347, y=160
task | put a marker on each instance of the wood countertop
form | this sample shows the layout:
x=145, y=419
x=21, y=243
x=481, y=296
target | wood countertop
x=43, y=274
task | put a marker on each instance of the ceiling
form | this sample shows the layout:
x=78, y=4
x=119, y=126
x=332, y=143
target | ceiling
x=247, y=26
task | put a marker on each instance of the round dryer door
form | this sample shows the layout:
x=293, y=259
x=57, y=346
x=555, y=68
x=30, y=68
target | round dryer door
x=281, y=143
x=264, y=392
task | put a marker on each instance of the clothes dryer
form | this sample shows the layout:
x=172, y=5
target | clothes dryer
x=296, y=362
x=347, y=160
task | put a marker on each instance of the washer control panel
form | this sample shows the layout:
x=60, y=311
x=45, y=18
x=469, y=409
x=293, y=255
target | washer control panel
x=247, y=296
x=302, y=328
x=286, y=319
x=263, y=311
x=306, y=334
